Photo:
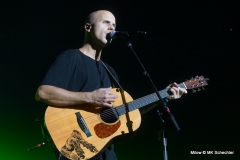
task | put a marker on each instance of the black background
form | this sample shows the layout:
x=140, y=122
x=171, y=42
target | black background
x=185, y=39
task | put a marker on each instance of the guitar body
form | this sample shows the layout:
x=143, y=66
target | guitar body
x=97, y=132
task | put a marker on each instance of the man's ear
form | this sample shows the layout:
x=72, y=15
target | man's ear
x=88, y=27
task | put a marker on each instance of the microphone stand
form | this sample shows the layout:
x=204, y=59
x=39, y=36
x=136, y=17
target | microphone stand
x=165, y=111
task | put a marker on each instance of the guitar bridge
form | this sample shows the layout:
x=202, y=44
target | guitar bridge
x=82, y=124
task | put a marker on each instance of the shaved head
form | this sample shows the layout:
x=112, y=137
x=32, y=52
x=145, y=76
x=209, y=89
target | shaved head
x=97, y=15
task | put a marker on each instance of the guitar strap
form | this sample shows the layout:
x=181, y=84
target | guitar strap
x=129, y=122
x=111, y=76
x=121, y=89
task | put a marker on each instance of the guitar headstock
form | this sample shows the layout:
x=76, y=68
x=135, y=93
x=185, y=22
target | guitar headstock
x=198, y=81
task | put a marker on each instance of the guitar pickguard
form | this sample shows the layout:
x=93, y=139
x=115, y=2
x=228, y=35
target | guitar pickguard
x=103, y=130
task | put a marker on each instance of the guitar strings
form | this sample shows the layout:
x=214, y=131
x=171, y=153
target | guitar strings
x=105, y=115
x=108, y=114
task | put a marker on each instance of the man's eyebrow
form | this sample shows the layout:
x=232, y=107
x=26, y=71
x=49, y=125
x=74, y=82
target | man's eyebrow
x=110, y=22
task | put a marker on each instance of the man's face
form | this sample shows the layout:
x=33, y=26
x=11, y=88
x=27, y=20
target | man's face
x=103, y=24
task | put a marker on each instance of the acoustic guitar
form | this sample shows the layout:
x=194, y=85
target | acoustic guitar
x=83, y=132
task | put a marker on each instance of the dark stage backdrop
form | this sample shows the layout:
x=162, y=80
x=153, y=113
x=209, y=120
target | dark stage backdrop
x=185, y=39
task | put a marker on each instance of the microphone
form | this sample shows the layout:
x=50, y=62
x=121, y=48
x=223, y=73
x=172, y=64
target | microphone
x=123, y=34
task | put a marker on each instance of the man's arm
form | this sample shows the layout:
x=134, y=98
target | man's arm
x=60, y=97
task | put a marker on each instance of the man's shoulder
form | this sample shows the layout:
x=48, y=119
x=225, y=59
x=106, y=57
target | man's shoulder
x=71, y=53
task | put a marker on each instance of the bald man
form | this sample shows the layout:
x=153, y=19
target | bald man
x=78, y=77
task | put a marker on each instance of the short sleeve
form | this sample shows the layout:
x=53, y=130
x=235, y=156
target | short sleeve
x=59, y=72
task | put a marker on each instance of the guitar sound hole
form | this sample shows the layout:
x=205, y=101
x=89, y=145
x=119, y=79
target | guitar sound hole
x=108, y=115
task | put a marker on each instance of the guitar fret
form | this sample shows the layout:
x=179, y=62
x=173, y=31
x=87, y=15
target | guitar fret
x=138, y=103
x=141, y=102
x=182, y=85
x=120, y=110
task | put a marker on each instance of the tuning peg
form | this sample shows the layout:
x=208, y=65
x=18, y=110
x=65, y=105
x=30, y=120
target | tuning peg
x=198, y=89
x=193, y=90
x=196, y=76
x=203, y=88
x=204, y=80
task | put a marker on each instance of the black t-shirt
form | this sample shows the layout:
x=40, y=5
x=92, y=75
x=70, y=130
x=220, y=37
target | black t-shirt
x=75, y=71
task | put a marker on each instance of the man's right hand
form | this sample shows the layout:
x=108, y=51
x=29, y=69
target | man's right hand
x=103, y=97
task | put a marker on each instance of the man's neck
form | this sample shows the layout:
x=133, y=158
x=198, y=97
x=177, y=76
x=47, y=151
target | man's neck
x=90, y=52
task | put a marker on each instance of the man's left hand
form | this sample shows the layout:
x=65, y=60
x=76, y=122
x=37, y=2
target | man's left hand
x=177, y=92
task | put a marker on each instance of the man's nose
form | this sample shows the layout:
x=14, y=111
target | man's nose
x=111, y=27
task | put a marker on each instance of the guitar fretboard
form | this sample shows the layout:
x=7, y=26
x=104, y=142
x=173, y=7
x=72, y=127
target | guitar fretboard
x=141, y=102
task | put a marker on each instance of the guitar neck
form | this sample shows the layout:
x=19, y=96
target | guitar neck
x=141, y=102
